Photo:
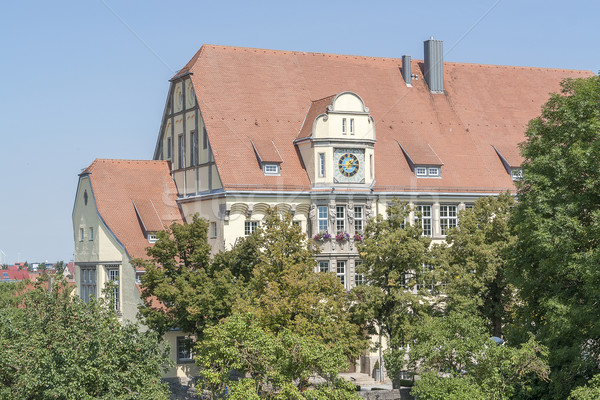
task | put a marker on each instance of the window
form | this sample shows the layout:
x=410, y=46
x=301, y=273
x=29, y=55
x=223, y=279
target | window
x=152, y=238
x=204, y=139
x=271, y=169
x=372, y=166
x=469, y=206
x=358, y=219
x=193, y=148
x=343, y=126
x=322, y=165
x=81, y=234
x=426, y=281
x=87, y=283
x=297, y=223
x=352, y=126
x=250, y=227
x=340, y=218
x=91, y=238
x=341, y=272
x=425, y=218
x=184, y=350
x=113, y=276
x=447, y=218
x=213, y=230
x=425, y=171
x=359, y=279
x=180, y=147
x=516, y=174
x=169, y=148
x=323, y=266
x=322, y=218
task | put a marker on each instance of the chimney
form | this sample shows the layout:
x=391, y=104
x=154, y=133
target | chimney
x=434, y=65
x=406, y=70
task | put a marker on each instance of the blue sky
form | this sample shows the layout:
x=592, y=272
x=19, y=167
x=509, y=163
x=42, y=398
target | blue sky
x=81, y=80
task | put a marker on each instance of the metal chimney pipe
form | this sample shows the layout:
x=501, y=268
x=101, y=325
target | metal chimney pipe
x=406, y=73
x=434, y=65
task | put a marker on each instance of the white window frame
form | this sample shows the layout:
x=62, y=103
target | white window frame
x=213, y=230
x=359, y=279
x=425, y=218
x=323, y=266
x=516, y=174
x=152, y=238
x=344, y=126
x=340, y=218
x=421, y=171
x=351, y=127
x=112, y=272
x=323, y=218
x=426, y=270
x=448, y=217
x=184, y=350
x=250, y=227
x=340, y=272
x=271, y=169
x=322, y=165
x=81, y=234
x=91, y=234
x=428, y=171
x=359, y=219
x=433, y=171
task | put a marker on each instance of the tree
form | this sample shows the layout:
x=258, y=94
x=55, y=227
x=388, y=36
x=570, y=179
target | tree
x=478, y=254
x=394, y=255
x=558, y=222
x=458, y=360
x=181, y=287
x=54, y=346
x=59, y=267
x=292, y=324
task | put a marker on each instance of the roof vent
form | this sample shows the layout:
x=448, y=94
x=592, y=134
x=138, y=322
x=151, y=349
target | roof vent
x=434, y=65
x=406, y=70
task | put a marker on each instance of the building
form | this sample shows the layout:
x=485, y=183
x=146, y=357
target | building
x=119, y=207
x=329, y=138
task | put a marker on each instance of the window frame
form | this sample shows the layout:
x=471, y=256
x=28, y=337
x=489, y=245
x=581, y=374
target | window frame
x=344, y=127
x=425, y=219
x=340, y=271
x=193, y=148
x=88, y=281
x=340, y=221
x=185, y=355
x=448, y=221
x=113, y=275
x=323, y=218
x=91, y=234
x=324, y=266
x=322, y=165
x=180, y=152
x=213, y=230
x=267, y=166
x=359, y=220
x=250, y=227
x=351, y=126
x=359, y=279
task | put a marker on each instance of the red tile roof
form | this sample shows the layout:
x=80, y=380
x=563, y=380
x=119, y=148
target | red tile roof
x=117, y=184
x=265, y=96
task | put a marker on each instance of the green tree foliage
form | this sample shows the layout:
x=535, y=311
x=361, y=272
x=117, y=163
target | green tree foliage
x=591, y=391
x=59, y=267
x=54, y=346
x=393, y=253
x=181, y=289
x=292, y=324
x=458, y=360
x=558, y=221
x=477, y=262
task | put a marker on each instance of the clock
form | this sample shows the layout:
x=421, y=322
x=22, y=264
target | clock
x=349, y=165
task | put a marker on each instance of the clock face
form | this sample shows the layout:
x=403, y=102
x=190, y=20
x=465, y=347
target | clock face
x=349, y=168
x=348, y=165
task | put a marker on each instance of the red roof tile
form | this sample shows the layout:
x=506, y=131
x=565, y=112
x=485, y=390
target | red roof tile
x=265, y=95
x=117, y=184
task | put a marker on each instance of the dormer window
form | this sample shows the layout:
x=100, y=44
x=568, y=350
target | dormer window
x=271, y=169
x=152, y=238
x=427, y=172
x=516, y=174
